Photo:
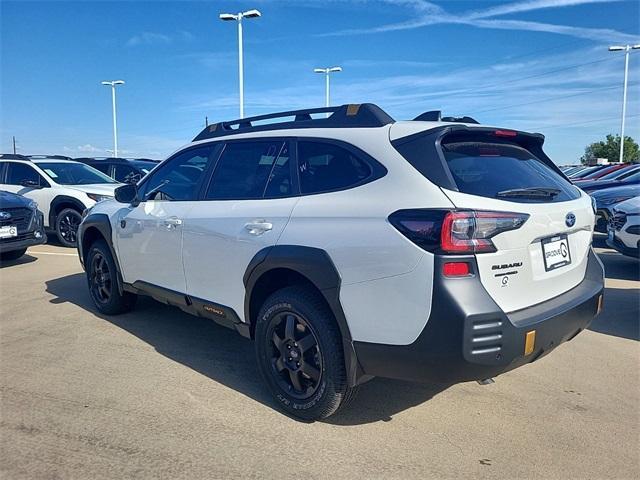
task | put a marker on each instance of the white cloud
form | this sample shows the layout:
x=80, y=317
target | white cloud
x=153, y=38
x=426, y=13
x=86, y=148
x=148, y=38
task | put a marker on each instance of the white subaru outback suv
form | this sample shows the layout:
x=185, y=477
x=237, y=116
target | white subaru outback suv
x=354, y=246
x=63, y=189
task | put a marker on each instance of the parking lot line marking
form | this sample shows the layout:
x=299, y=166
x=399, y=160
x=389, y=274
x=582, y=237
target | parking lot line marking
x=54, y=253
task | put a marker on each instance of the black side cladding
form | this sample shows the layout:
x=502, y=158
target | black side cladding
x=316, y=266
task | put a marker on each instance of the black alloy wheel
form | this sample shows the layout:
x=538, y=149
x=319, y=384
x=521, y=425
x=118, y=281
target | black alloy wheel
x=300, y=354
x=296, y=358
x=100, y=280
x=67, y=224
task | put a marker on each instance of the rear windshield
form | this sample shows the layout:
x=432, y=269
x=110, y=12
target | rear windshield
x=505, y=171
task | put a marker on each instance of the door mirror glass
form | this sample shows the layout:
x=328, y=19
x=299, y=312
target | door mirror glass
x=127, y=193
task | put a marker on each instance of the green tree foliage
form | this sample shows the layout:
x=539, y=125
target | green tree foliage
x=610, y=149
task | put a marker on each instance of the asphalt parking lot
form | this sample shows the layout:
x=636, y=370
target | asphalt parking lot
x=157, y=393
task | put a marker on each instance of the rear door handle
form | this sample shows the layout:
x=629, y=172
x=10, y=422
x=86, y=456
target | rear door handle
x=258, y=227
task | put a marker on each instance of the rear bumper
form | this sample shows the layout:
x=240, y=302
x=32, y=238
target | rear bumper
x=468, y=337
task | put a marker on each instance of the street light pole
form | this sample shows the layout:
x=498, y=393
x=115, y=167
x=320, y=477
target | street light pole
x=327, y=71
x=238, y=18
x=626, y=49
x=113, y=84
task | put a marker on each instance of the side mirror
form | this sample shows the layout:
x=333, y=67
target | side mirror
x=31, y=184
x=127, y=193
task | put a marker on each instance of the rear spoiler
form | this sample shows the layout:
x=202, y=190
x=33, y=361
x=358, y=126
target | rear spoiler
x=438, y=171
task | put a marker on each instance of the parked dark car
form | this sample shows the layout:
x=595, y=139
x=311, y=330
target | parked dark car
x=125, y=170
x=602, y=172
x=632, y=177
x=587, y=171
x=21, y=225
x=608, y=198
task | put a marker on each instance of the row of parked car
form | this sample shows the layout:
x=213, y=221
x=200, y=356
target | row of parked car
x=616, y=191
x=50, y=192
x=62, y=188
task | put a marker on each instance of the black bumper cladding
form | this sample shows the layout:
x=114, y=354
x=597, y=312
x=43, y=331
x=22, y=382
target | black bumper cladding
x=468, y=337
x=25, y=240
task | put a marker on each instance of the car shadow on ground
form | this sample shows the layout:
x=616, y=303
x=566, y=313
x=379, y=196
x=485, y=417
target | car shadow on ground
x=227, y=358
x=619, y=317
x=26, y=258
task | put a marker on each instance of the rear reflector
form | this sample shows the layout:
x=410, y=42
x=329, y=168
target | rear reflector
x=505, y=133
x=456, y=269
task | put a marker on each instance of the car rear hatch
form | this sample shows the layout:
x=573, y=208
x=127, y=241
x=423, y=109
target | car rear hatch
x=528, y=226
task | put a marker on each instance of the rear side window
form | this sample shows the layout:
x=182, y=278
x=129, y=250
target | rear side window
x=126, y=174
x=505, y=171
x=325, y=167
x=102, y=167
x=251, y=170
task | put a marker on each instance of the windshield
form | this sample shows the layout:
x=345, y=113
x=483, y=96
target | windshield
x=74, y=173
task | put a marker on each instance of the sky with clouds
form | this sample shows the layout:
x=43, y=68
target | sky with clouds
x=538, y=65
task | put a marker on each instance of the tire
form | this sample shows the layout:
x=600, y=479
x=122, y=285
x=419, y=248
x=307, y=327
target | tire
x=299, y=353
x=102, y=279
x=12, y=255
x=67, y=223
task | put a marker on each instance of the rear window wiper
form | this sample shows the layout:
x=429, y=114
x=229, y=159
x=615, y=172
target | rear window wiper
x=532, y=192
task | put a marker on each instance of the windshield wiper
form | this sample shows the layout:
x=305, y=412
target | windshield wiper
x=532, y=192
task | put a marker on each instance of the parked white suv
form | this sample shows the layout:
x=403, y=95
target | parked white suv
x=63, y=189
x=624, y=228
x=354, y=246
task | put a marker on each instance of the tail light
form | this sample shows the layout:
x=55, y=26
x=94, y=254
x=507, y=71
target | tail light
x=456, y=231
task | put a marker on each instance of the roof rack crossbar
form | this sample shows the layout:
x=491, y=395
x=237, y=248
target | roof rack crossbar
x=350, y=115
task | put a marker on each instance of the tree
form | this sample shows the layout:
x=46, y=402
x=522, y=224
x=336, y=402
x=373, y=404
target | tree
x=610, y=149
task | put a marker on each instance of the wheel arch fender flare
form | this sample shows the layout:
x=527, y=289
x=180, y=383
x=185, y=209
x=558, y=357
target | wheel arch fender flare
x=63, y=199
x=316, y=266
x=98, y=222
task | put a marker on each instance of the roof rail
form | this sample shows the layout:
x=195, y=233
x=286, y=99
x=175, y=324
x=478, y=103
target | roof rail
x=44, y=157
x=350, y=115
x=13, y=156
x=436, y=116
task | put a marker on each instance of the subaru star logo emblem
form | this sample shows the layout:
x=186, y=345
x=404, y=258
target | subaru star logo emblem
x=5, y=215
x=570, y=219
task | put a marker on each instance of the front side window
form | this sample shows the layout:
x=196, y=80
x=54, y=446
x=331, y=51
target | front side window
x=68, y=173
x=250, y=170
x=179, y=178
x=325, y=167
x=19, y=174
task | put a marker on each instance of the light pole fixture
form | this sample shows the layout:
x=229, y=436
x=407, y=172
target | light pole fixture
x=327, y=71
x=226, y=17
x=626, y=49
x=112, y=84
